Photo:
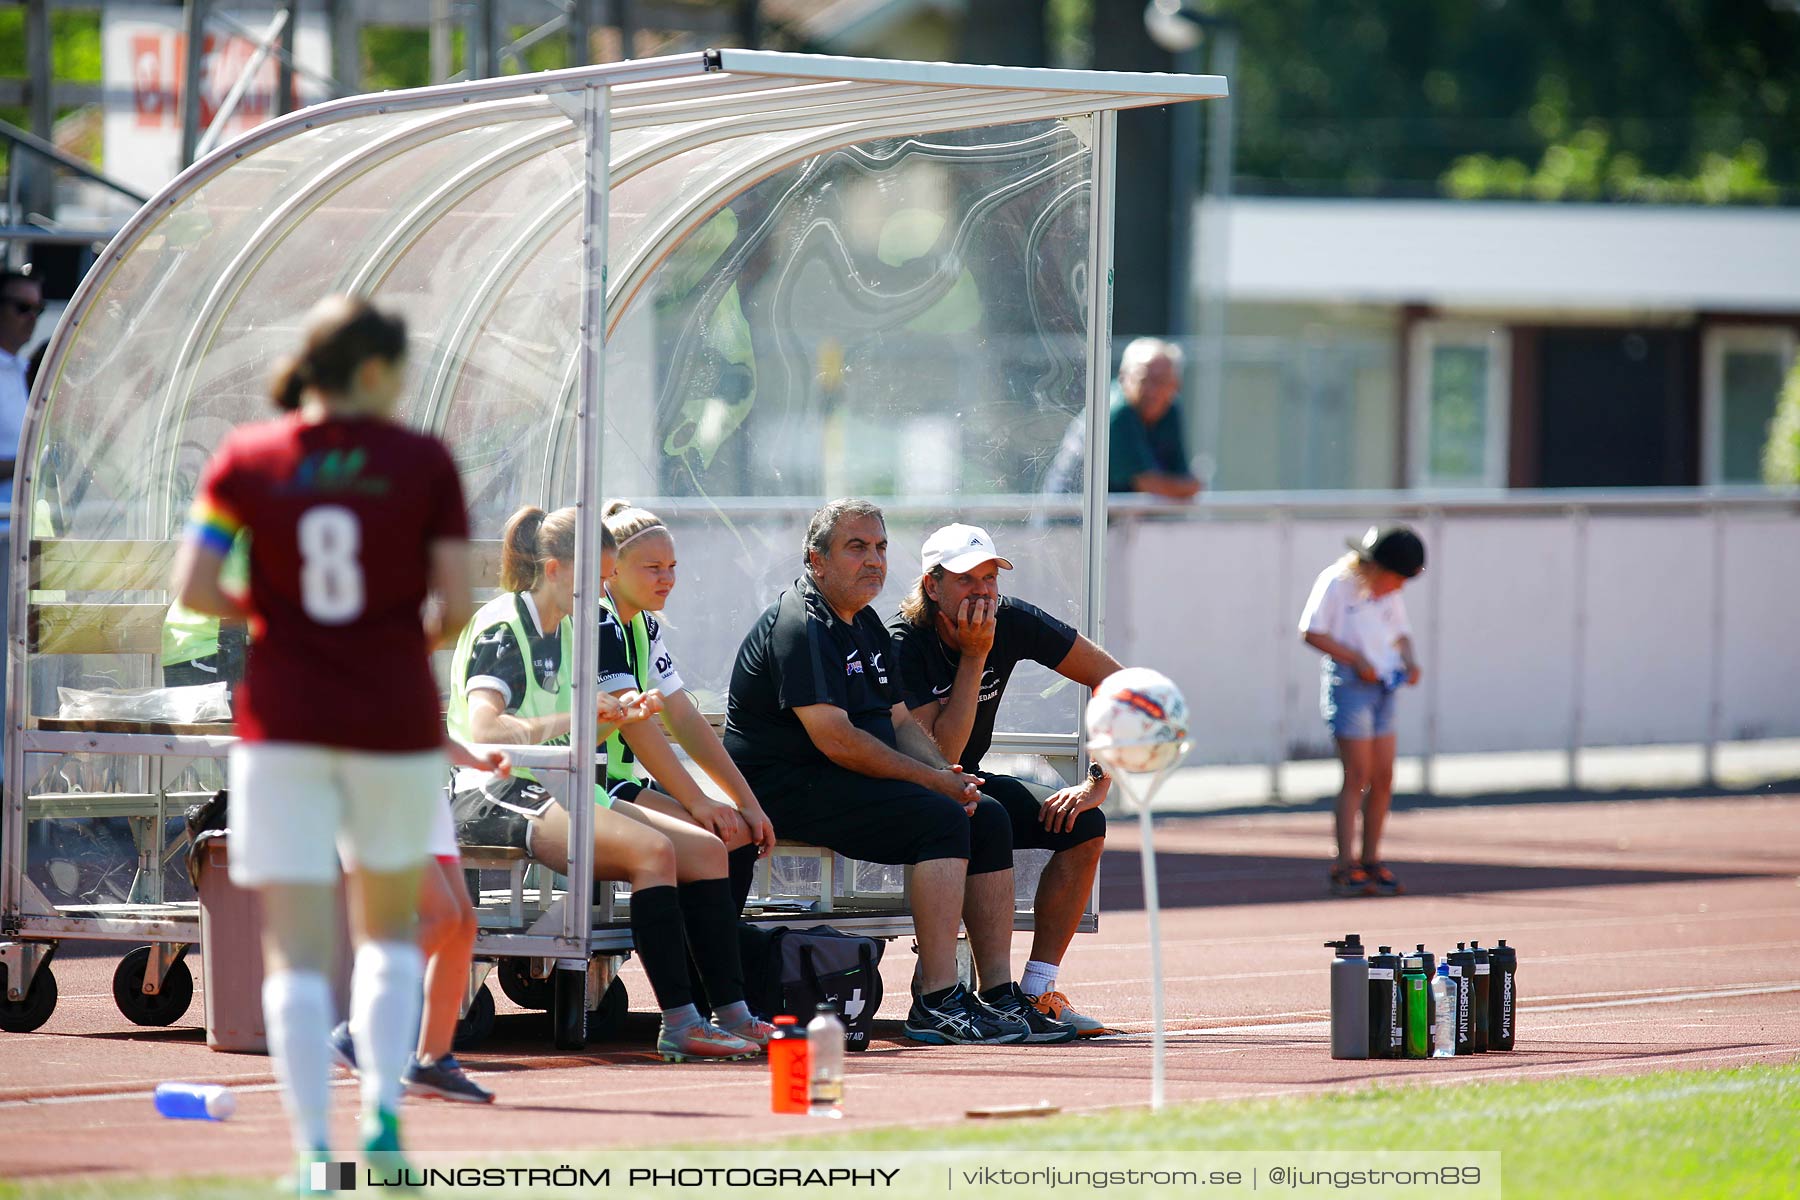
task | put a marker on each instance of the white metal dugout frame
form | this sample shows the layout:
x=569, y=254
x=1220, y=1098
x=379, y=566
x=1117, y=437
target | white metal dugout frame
x=169, y=341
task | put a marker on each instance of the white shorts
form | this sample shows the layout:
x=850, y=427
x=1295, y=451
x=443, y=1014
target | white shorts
x=441, y=845
x=295, y=808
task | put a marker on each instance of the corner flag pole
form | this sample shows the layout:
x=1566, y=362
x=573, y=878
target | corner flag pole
x=1140, y=790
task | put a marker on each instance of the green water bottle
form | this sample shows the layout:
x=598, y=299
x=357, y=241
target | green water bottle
x=1415, y=991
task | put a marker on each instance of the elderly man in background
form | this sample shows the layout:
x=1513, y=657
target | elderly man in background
x=816, y=722
x=1147, y=452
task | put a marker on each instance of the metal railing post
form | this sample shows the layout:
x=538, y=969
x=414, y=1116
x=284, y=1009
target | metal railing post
x=1578, y=647
x=193, y=55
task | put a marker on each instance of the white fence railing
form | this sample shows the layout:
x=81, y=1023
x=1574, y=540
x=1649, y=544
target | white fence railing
x=1544, y=620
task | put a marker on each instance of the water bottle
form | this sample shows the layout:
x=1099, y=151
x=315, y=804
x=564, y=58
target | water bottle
x=195, y=1101
x=1387, y=1036
x=825, y=1050
x=1443, y=1005
x=1431, y=966
x=1415, y=987
x=790, y=1075
x=1479, y=1019
x=1462, y=975
x=1349, y=999
x=1503, y=996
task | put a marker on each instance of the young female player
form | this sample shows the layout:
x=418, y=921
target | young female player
x=633, y=656
x=511, y=685
x=353, y=519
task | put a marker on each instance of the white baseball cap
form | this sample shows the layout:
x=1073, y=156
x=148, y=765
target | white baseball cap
x=958, y=547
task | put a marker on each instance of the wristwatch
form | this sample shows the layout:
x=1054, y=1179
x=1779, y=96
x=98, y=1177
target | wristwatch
x=1095, y=774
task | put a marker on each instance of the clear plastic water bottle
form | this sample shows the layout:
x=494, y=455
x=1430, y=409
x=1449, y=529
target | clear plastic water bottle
x=1443, y=1001
x=195, y=1101
x=825, y=1048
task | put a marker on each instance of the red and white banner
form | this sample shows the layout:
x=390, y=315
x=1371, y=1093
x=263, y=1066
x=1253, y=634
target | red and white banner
x=145, y=57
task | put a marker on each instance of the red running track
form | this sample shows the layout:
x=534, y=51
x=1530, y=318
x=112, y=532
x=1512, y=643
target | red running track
x=1653, y=935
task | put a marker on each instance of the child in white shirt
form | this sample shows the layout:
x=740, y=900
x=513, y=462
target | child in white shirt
x=1355, y=617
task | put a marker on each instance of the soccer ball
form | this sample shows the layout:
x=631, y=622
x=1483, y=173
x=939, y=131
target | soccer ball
x=1137, y=721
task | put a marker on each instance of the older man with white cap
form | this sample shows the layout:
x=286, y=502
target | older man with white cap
x=956, y=642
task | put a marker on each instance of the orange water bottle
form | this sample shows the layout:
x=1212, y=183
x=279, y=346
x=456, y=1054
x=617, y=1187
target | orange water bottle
x=790, y=1067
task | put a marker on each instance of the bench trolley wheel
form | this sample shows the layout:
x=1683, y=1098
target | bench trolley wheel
x=570, y=1027
x=34, y=1008
x=477, y=1024
x=171, y=1000
x=605, y=1020
x=517, y=982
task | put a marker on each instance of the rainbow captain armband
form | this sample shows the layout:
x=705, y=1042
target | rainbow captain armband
x=212, y=527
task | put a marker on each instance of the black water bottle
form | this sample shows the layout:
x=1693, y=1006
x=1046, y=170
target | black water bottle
x=1430, y=961
x=1462, y=974
x=1503, y=998
x=1478, y=1021
x=1387, y=1036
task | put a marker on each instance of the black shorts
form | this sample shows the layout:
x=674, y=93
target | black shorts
x=628, y=790
x=1023, y=800
x=499, y=814
x=883, y=820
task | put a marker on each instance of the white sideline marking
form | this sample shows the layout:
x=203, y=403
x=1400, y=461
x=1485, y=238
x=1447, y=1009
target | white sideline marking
x=1662, y=920
x=1660, y=952
x=1625, y=1000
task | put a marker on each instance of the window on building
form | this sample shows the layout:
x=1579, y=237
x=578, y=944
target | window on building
x=1745, y=368
x=1458, y=406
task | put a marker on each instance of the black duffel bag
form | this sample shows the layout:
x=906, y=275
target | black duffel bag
x=794, y=971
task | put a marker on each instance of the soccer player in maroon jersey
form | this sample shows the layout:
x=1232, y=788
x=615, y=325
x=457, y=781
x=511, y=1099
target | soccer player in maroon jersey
x=352, y=520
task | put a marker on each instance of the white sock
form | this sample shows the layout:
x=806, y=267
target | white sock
x=1039, y=977
x=297, y=1014
x=386, y=992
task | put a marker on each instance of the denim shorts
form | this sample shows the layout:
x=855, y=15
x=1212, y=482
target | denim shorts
x=1351, y=707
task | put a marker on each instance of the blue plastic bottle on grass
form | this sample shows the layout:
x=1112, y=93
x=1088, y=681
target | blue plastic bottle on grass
x=195, y=1101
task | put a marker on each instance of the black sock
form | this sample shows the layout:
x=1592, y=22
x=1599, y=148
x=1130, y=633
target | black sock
x=713, y=939
x=656, y=932
x=743, y=874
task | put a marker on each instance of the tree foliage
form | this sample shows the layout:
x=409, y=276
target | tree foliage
x=1679, y=100
x=1781, y=455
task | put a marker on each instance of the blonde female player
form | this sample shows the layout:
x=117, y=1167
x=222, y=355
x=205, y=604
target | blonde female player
x=353, y=519
x=1356, y=619
x=633, y=656
x=511, y=685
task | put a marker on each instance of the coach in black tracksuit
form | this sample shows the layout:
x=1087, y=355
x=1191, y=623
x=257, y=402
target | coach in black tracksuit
x=957, y=640
x=816, y=722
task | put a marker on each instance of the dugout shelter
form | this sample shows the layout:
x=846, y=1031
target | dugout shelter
x=727, y=285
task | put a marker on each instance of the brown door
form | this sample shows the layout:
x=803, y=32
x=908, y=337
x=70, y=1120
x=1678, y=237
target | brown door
x=1618, y=408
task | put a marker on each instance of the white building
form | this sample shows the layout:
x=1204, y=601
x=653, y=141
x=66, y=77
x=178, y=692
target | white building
x=1382, y=344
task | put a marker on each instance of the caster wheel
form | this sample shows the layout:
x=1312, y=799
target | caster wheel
x=23, y=1016
x=164, y=1008
x=604, y=1021
x=520, y=987
x=476, y=1024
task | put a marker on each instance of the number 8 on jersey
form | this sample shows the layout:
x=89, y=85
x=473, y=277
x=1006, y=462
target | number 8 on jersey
x=331, y=578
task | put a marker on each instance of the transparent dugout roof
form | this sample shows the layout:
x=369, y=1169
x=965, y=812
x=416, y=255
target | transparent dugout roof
x=823, y=277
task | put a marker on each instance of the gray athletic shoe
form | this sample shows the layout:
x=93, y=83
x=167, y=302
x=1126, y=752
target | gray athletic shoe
x=1010, y=1001
x=444, y=1079
x=961, y=1019
x=343, y=1046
